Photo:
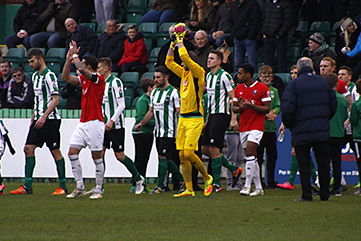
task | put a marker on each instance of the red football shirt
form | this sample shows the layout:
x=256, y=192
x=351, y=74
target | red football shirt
x=92, y=98
x=342, y=88
x=257, y=93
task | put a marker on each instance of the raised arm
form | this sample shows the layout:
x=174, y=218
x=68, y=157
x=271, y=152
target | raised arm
x=72, y=52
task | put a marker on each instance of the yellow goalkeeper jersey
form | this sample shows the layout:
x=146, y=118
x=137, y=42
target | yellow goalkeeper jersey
x=192, y=82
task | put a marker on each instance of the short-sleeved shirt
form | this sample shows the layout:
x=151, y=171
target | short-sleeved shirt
x=45, y=87
x=218, y=85
x=92, y=98
x=113, y=96
x=257, y=94
x=165, y=103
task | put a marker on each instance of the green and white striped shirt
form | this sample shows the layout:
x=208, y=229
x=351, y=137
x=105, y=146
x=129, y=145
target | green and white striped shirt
x=45, y=86
x=218, y=85
x=114, y=102
x=164, y=103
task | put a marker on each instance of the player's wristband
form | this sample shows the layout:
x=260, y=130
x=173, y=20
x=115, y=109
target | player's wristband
x=75, y=56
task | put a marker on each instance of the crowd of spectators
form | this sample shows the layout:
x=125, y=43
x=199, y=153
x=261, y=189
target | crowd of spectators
x=258, y=32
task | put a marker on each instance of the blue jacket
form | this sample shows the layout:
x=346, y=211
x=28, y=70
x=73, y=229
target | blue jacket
x=307, y=106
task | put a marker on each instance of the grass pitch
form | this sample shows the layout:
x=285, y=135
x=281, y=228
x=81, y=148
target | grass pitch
x=222, y=216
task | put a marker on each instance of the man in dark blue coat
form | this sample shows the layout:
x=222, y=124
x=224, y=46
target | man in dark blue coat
x=307, y=106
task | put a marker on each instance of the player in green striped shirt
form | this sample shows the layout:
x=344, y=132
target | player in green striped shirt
x=113, y=106
x=219, y=87
x=45, y=123
x=164, y=108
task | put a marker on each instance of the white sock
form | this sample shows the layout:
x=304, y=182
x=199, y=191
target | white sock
x=256, y=177
x=249, y=171
x=77, y=171
x=99, y=174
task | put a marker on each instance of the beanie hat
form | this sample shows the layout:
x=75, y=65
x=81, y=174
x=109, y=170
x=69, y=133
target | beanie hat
x=317, y=38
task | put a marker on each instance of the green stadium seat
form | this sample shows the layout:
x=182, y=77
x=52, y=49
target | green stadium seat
x=55, y=67
x=100, y=28
x=134, y=102
x=293, y=54
x=134, y=17
x=286, y=77
x=323, y=27
x=126, y=25
x=151, y=66
x=129, y=94
x=55, y=55
x=15, y=55
x=148, y=29
x=149, y=75
x=62, y=104
x=149, y=43
x=92, y=26
x=154, y=55
x=163, y=34
x=137, y=6
x=130, y=79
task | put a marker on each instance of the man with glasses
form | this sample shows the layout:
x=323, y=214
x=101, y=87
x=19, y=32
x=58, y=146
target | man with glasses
x=20, y=92
x=5, y=71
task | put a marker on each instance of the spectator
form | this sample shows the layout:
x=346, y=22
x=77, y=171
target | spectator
x=73, y=95
x=202, y=15
x=104, y=10
x=82, y=35
x=276, y=25
x=347, y=39
x=221, y=30
x=4, y=81
x=143, y=138
x=51, y=24
x=268, y=141
x=135, y=52
x=85, y=9
x=337, y=133
x=20, y=92
x=245, y=22
x=308, y=116
x=317, y=49
x=165, y=11
x=203, y=48
x=24, y=23
x=110, y=43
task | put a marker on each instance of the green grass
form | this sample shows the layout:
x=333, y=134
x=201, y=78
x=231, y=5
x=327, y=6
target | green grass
x=222, y=216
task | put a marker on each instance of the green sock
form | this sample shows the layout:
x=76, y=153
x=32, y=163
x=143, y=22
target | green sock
x=174, y=169
x=293, y=170
x=313, y=171
x=129, y=164
x=227, y=164
x=162, y=171
x=216, y=170
x=60, y=168
x=29, y=169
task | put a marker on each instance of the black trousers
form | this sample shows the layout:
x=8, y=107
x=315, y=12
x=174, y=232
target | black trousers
x=321, y=150
x=143, y=147
x=335, y=157
x=268, y=141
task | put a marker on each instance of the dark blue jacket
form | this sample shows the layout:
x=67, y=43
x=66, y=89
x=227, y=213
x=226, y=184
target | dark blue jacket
x=307, y=106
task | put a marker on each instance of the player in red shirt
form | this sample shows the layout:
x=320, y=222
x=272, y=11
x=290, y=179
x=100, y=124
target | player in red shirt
x=90, y=131
x=252, y=101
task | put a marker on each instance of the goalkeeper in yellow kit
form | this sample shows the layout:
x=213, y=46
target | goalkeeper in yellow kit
x=191, y=121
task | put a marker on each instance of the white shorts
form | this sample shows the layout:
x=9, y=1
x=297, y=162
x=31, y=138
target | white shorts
x=254, y=136
x=90, y=134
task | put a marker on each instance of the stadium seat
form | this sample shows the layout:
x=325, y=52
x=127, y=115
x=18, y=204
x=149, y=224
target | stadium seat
x=163, y=34
x=286, y=77
x=301, y=29
x=55, y=55
x=151, y=66
x=15, y=55
x=92, y=26
x=293, y=54
x=134, y=17
x=154, y=55
x=129, y=94
x=323, y=27
x=126, y=25
x=149, y=75
x=100, y=28
x=149, y=43
x=137, y=6
x=62, y=104
x=130, y=79
x=148, y=29
x=55, y=67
